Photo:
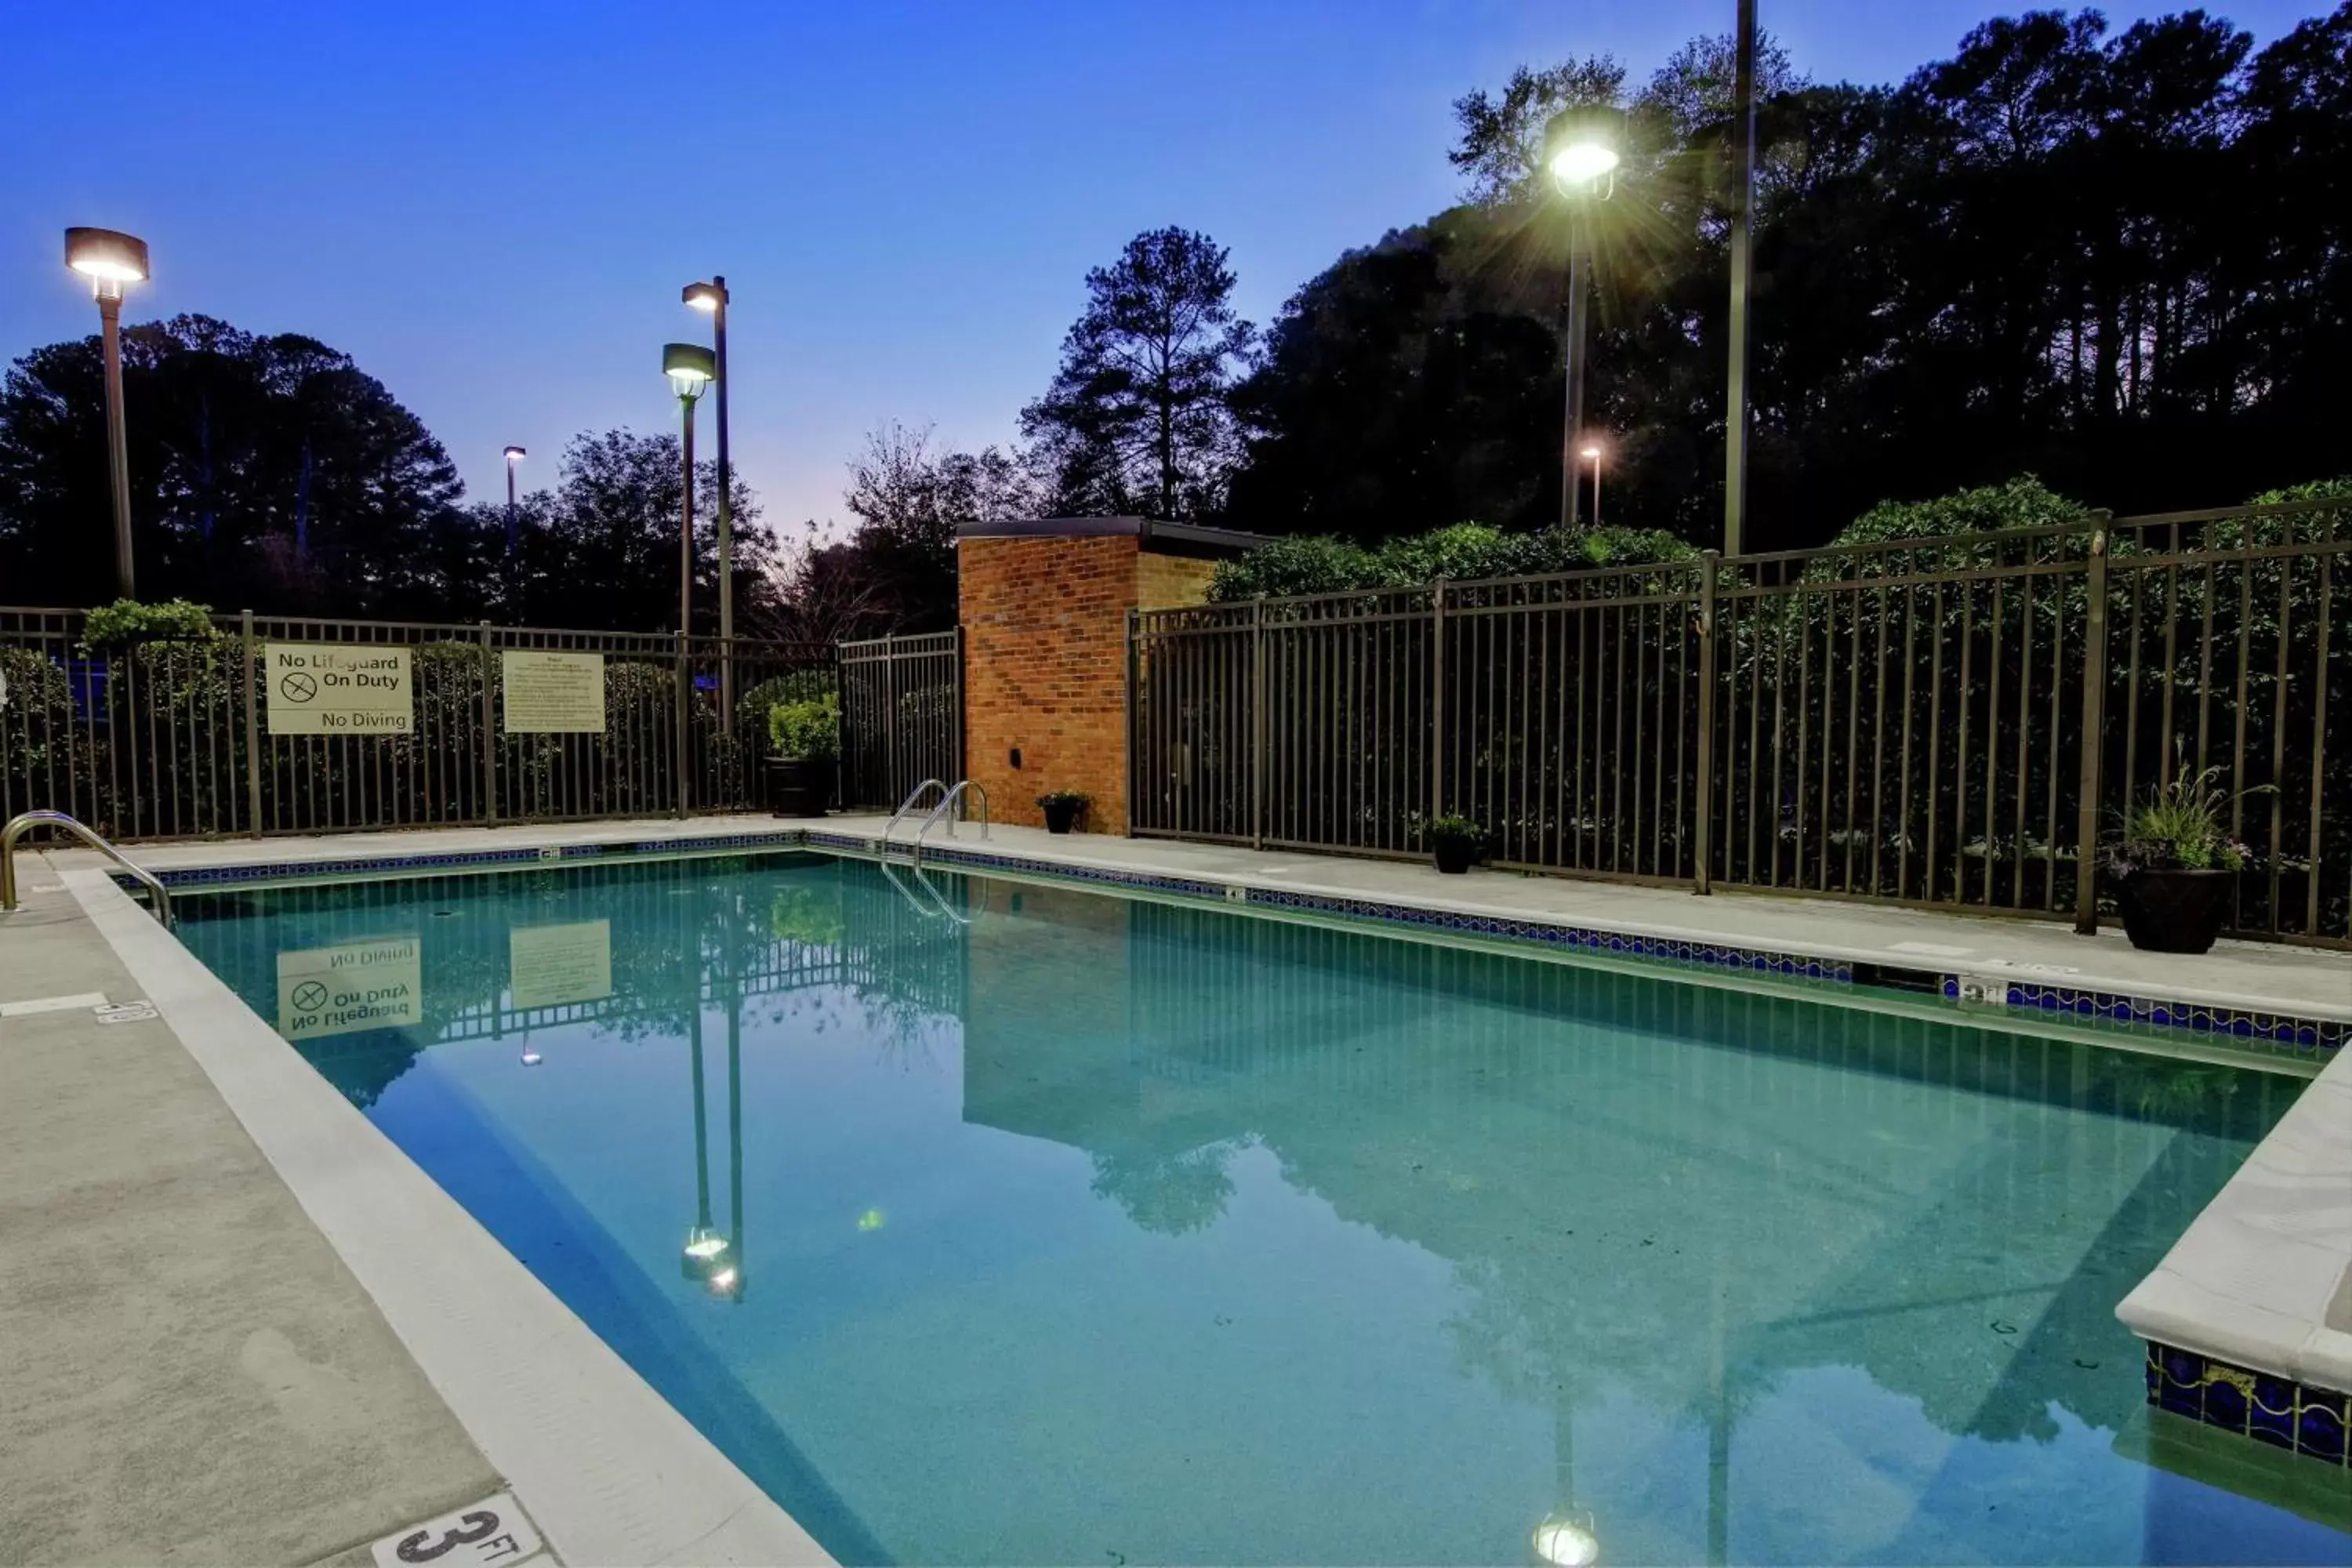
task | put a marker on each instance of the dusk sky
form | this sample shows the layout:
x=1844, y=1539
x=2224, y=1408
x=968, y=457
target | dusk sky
x=493, y=207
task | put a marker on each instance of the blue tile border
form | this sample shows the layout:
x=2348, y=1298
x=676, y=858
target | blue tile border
x=2273, y=1032
x=2298, y=1417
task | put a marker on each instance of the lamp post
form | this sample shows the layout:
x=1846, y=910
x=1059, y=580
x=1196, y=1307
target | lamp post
x=514, y=455
x=1581, y=149
x=707, y=1257
x=691, y=369
x=1594, y=454
x=109, y=260
x=711, y=298
x=1735, y=426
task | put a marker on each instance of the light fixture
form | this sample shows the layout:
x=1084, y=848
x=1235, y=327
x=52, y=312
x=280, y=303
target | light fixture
x=705, y=1253
x=1565, y=1540
x=704, y=297
x=691, y=369
x=1581, y=148
x=106, y=257
x=1593, y=453
x=515, y=455
x=531, y=1058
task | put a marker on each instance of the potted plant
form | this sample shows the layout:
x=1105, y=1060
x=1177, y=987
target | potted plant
x=1063, y=808
x=804, y=743
x=1455, y=841
x=2175, y=867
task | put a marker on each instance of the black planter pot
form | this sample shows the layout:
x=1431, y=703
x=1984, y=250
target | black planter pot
x=2174, y=911
x=1455, y=856
x=798, y=786
x=1062, y=816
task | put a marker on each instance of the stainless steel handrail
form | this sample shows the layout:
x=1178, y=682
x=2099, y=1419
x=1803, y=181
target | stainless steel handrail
x=20, y=825
x=938, y=898
x=882, y=844
x=941, y=809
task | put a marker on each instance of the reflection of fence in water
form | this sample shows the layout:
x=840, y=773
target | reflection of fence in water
x=1899, y=722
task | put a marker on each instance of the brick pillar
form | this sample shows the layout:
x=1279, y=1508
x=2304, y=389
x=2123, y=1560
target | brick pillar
x=1045, y=620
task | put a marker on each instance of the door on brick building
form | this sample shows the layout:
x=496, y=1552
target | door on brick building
x=902, y=716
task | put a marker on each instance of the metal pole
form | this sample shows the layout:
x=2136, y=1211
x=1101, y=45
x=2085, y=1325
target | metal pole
x=1703, y=837
x=1572, y=410
x=490, y=733
x=680, y=750
x=514, y=611
x=252, y=731
x=2095, y=702
x=118, y=452
x=1735, y=429
x=1436, y=700
x=726, y=523
x=1258, y=722
x=1596, y=490
x=685, y=525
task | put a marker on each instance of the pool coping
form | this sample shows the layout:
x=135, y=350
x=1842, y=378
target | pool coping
x=605, y=1467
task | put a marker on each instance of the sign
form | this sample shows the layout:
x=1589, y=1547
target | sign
x=554, y=693
x=493, y=1531
x=328, y=689
x=550, y=965
x=376, y=984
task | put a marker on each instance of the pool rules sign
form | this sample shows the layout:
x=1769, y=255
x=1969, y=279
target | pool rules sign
x=328, y=689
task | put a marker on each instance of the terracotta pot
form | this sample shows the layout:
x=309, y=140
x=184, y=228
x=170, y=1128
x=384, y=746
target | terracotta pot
x=2174, y=911
x=799, y=786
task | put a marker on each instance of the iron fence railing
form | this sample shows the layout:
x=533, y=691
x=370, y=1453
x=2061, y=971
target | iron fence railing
x=171, y=738
x=902, y=715
x=1899, y=721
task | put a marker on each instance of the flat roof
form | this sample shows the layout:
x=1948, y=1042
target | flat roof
x=1190, y=534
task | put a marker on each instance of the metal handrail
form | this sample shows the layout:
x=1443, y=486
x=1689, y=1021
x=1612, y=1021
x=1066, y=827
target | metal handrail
x=882, y=844
x=20, y=825
x=938, y=898
x=941, y=809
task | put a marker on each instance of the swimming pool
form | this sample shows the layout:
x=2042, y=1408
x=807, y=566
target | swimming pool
x=1100, y=1229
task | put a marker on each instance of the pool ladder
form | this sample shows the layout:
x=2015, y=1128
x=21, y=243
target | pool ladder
x=21, y=825
x=947, y=797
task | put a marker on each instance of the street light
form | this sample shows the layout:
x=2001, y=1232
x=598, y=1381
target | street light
x=691, y=370
x=1581, y=149
x=514, y=455
x=711, y=299
x=1594, y=454
x=109, y=260
x=1735, y=428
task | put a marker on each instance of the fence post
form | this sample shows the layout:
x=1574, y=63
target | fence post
x=956, y=708
x=252, y=732
x=2093, y=743
x=489, y=733
x=1134, y=722
x=1436, y=701
x=1703, y=825
x=684, y=746
x=1258, y=722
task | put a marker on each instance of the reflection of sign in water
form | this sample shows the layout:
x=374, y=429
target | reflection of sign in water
x=554, y=693
x=320, y=689
x=550, y=965
x=376, y=984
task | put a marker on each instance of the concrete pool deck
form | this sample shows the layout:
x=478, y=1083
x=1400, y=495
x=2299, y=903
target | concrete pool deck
x=386, y=1221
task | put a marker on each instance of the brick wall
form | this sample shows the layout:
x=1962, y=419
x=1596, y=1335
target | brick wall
x=1044, y=623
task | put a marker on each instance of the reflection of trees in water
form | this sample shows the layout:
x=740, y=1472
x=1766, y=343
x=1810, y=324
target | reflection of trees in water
x=1169, y=1194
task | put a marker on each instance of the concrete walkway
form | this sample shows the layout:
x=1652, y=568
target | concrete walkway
x=188, y=1371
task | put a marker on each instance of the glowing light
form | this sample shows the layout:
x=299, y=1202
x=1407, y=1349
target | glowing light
x=723, y=1281
x=1593, y=453
x=703, y=297
x=690, y=368
x=531, y=1058
x=872, y=1219
x=104, y=255
x=1565, y=1540
x=1581, y=162
x=707, y=1246
x=516, y=454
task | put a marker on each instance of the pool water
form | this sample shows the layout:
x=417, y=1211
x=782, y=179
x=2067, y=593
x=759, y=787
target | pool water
x=1105, y=1230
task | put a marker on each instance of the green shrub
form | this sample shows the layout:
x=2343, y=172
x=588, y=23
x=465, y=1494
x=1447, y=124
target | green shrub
x=1314, y=565
x=1464, y=551
x=806, y=730
x=1072, y=797
x=2022, y=502
x=127, y=621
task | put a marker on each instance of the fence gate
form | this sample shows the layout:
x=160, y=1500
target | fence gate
x=902, y=715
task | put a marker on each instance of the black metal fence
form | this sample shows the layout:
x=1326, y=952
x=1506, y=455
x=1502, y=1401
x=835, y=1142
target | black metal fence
x=902, y=715
x=1900, y=721
x=170, y=739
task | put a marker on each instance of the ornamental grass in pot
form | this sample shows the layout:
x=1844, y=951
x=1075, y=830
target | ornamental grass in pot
x=2174, y=871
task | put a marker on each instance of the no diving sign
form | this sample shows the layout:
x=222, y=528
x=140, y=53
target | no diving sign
x=327, y=689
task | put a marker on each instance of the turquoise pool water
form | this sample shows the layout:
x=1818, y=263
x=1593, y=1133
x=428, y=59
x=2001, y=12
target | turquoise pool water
x=1100, y=1230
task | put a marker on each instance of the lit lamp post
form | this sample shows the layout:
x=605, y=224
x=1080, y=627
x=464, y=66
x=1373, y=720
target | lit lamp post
x=1594, y=454
x=1581, y=149
x=514, y=455
x=707, y=1257
x=109, y=260
x=691, y=369
x=711, y=298
x=1735, y=428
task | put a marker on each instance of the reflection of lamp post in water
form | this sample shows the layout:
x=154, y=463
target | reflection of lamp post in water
x=1565, y=1538
x=707, y=1257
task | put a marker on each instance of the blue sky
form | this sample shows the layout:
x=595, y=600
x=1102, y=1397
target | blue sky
x=493, y=206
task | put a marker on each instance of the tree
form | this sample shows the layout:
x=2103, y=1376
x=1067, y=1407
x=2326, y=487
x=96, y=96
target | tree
x=1135, y=418
x=265, y=471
